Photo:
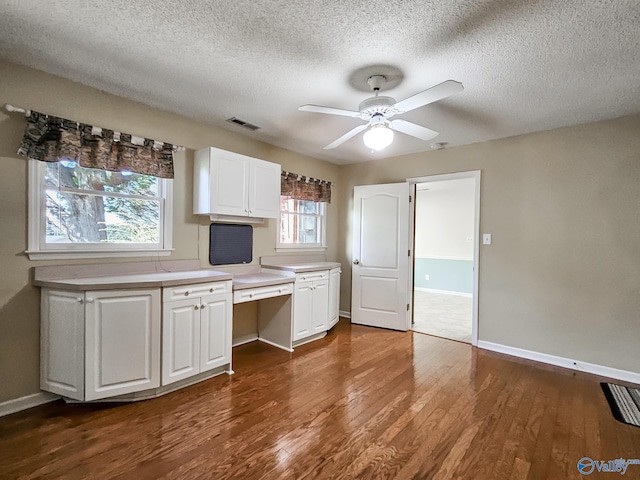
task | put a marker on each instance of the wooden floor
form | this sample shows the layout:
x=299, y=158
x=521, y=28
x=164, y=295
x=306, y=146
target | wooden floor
x=361, y=403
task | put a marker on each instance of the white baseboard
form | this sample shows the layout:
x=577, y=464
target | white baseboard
x=579, y=365
x=23, y=403
x=281, y=347
x=344, y=314
x=252, y=337
x=444, y=292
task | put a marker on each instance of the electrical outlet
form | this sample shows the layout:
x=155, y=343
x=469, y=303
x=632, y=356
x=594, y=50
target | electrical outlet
x=486, y=239
x=426, y=277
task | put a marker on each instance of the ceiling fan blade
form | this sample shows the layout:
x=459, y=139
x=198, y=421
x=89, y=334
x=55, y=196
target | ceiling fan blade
x=328, y=110
x=430, y=95
x=412, y=129
x=351, y=133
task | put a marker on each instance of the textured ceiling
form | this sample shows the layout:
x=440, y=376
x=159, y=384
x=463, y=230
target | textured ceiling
x=525, y=65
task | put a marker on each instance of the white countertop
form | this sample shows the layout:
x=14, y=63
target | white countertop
x=255, y=280
x=135, y=280
x=297, y=263
x=298, y=266
x=170, y=274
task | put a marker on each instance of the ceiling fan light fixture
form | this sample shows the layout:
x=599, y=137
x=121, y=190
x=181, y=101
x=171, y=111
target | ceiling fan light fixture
x=378, y=137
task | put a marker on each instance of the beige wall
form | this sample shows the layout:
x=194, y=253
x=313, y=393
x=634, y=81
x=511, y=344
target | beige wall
x=562, y=276
x=19, y=302
x=444, y=221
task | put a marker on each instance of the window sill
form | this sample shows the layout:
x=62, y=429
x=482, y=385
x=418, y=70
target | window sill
x=69, y=254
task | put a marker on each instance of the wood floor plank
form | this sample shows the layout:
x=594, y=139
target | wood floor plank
x=360, y=403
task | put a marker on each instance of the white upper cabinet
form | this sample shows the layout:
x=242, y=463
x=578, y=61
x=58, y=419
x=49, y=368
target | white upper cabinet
x=264, y=189
x=229, y=186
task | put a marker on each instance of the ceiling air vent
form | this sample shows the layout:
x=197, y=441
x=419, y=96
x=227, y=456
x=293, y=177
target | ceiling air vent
x=242, y=123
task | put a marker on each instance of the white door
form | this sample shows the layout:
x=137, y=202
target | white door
x=229, y=183
x=215, y=331
x=180, y=339
x=380, y=269
x=62, y=343
x=320, y=305
x=264, y=189
x=302, y=309
x=122, y=342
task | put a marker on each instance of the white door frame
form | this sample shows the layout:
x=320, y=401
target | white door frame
x=475, y=174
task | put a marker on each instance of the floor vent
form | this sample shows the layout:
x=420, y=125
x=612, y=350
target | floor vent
x=242, y=123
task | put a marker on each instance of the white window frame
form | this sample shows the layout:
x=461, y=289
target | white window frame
x=306, y=247
x=38, y=249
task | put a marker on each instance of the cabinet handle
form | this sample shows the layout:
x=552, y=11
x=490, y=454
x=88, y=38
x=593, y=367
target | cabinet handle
x=202, y=306
x=80, y=300
x=186, y=294
x=279, y=290
x=195, y=307
x=211, y=290
x=251, y=295
x=304, y=278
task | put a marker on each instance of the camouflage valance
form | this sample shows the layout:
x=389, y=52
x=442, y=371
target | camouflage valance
x=50, y=139
x=305, y=188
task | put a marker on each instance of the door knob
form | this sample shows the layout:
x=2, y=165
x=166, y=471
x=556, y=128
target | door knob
x=356, y=262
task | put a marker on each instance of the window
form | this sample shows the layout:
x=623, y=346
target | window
x=302, y=224
x=84, y=212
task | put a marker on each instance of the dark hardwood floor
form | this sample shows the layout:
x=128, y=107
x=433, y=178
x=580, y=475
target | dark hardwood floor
x=360, y=403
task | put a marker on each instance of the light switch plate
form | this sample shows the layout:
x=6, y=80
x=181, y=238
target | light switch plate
x=486, y=239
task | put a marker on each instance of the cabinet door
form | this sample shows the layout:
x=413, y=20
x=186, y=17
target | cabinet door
x=122, y=335
x=215, y=332
x=264, y=189
x=320, y=316
x=302, y=310
x=334, y=296
x=180, y=339
x=62, y=343
x=229, y=183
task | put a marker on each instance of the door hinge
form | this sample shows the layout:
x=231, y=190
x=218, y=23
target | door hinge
x=409, y=254
x=410, y=199
x=407, y=307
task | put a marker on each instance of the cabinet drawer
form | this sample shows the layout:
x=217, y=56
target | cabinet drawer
x=251, y=294
x=312, y=276
x=196, y=289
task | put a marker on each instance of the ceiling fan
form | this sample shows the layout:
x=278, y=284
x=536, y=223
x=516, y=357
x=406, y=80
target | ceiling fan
x=377, y=111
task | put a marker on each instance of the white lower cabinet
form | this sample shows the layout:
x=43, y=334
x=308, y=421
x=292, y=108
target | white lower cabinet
x=196, y=330
x=334, y=296
x=310, y=304
x=99, y=344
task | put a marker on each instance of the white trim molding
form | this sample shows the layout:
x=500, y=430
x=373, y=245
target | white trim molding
x=344, y=313
x=579, y=365
x=29, y=401
x=38, y=249
x=476, y=175
x=242, y=339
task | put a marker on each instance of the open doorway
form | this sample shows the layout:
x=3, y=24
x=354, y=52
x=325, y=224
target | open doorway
x=445, y=256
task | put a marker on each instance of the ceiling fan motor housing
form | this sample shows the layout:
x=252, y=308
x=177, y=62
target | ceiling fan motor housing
x=380, y=105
